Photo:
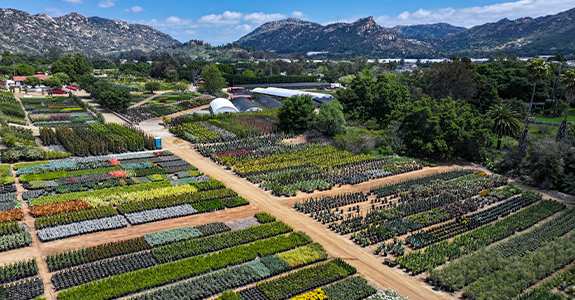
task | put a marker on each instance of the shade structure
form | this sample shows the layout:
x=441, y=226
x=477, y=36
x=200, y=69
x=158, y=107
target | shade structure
x=245, y=105
x=285, y=93
x=268, y=102
x=222, y=106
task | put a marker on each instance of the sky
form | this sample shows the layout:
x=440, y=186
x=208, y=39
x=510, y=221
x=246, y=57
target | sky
x=220, y=22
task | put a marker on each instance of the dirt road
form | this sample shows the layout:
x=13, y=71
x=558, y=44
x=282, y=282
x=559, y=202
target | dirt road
x=366, y=264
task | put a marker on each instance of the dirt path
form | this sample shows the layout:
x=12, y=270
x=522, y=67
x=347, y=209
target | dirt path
x=147, y=99
x=108, y=115
x=35, y=251
x=366, y=264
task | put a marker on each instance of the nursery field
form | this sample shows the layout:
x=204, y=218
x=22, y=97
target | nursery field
x=251, y=145
x=78, y=196
x=98, y=139
x=166, y=104
x=10, y=109
x=58, y=110
x=444, y=225
x=203, y=261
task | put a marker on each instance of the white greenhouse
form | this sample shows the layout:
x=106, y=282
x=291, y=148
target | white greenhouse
x=222, y=106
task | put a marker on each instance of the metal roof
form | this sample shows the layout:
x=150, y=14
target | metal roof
x=244, y=104
x=268, y=102
x=285, y=93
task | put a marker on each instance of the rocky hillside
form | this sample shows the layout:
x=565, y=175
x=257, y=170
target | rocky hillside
x=21, y=32
x=363, y=37
x=425, y=31
x=525, y=36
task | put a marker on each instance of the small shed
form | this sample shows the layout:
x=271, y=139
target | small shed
x=268, y=103
x=222, y=106
x=245, y=105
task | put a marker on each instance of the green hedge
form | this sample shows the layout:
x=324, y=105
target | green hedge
x=120, y=285
x=239, y=79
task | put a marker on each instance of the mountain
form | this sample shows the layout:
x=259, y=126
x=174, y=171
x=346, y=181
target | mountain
x=525, y=36
x=21, y=32
x=425, y=31
x=363, y=37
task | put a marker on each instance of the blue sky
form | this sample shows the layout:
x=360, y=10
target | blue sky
x=219, y=22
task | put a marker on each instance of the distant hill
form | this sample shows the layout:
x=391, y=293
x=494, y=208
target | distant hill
x=21, y=32
x=425, y=31
x=525, y=36
x=363, y=37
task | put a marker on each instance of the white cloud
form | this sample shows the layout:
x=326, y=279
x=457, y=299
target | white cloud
x=244, y=28
x=135, y=9
x=471, y=16
x=107, y=3
x=260, y=17
x=75, y=2
x=227, y=18
x=299, y=15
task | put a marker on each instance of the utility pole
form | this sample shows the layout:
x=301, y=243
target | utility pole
x=14, y=66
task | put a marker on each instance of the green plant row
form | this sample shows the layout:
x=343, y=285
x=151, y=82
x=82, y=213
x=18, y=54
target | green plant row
x=298, y=282
x=132, y=282
x=190, y=198
x=15, y=241
x=18, y=270
x=103, y=193
x=190, y=248
x=521, y=272
x=438, y=253
x=74, y=216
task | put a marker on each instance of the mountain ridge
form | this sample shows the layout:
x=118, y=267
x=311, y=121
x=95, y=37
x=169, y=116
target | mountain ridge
x=23, y=32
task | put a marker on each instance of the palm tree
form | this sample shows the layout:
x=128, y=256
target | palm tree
x=560, y=59
x=506, y=121
x=537, y=68
x=568, y=82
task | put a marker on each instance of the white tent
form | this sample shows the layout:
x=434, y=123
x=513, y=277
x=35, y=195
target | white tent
x=285, y=93
x=222, y=106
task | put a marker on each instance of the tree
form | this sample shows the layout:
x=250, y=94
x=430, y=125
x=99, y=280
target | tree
x=213, y=80
x=63, y=77
x=568, y=82
x=369, y=98
x=54, y=53
x=193, y=68
x=74, y=65
x=53, y=82
x=296, y=114
x=560, y=59
x=152, y=86
x=537, y=68
x=248, y=73
x=452, y=79
x=32, y=81
x=24, y=70
x=330, y=118
x=548, y=160
x=506, y=121
x=444, y=128
x=114, y=98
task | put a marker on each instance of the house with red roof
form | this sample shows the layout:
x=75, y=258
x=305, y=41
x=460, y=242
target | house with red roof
x=19, y=80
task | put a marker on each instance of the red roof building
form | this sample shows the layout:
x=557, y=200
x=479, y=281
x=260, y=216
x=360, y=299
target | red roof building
x=39, y=75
